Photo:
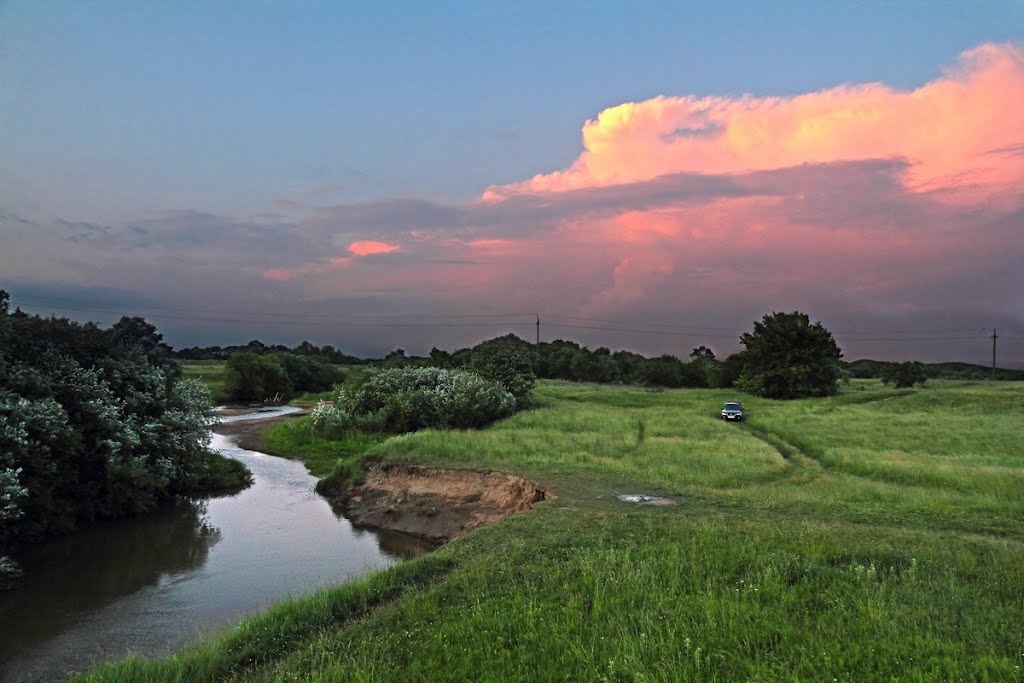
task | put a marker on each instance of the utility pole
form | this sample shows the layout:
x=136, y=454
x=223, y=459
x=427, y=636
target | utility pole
x=538, y=332
x=994, y=337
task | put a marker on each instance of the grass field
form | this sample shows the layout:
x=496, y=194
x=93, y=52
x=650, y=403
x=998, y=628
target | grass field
x=209, y=372
x=876, y=535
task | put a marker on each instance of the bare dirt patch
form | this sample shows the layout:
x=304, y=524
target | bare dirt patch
x=250, y=433
x=437, y=504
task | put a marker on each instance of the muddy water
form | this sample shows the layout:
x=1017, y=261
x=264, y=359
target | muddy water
x=151, y=584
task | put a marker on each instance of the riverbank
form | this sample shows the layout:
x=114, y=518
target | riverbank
x=869, y=536
x=194, y=566
x=251, y=434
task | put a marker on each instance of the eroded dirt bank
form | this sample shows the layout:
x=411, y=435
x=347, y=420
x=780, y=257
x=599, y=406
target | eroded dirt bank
x=437, y=504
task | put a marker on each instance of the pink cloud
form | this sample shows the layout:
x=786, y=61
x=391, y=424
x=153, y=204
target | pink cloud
x=358, y=249
x=310, y=268
x=857, y=198
x=367, y=247
x=947, y=128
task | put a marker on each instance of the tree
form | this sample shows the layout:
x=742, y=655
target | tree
x=702, y=360
x=508, y=361
x=591, y=366
x=252, y=377
x=732, y=368
x=702, y=353
x=905, y=375
x=788, y=357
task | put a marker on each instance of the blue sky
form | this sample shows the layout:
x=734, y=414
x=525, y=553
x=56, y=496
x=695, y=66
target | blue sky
x=119, y=113
x=125, y=107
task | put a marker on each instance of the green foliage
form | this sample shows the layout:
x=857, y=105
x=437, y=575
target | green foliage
x=593, y=367
x=254, y=377
x=398, y=400
x=568, y=360
x=787, y=357
x=702, y=353
x=876, y=369
x=730, y=370
x=308, y=374
x=873, y=535
x=94, y=424
x=508, y=361
x=905, y=375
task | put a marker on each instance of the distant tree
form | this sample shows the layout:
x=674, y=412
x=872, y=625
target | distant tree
x=702, y=353
x=905, y=375
x=306, y=348
x=702, y=360
x=256, y=346
x=590, y=366
x=730, y=370
x=440, y=358
x=629, y=365
x=308, y=374
x=555, y=359
x=508, y=361
x=663, y=371
x=253, y=377
x=788, y=357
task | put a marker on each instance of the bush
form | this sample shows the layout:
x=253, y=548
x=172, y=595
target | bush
x=94, y=424
x=401, y=400
x=250, y=376
x=508, y=361
x=587, y=366
x=308, y=374
x=905, y=375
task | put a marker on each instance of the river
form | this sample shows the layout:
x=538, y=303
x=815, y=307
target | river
x=149, y=585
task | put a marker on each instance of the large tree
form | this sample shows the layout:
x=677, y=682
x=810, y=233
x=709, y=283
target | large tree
x=788, y=357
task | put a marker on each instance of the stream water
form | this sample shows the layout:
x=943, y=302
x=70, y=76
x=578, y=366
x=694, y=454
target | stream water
x=149, y=585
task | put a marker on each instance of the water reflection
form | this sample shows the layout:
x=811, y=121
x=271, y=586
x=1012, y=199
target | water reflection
x=150, y=584
x=69, y=576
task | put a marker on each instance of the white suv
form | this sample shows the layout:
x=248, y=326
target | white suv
x=733, y=411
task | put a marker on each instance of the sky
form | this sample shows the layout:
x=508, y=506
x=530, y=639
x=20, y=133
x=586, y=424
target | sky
x=650, y=176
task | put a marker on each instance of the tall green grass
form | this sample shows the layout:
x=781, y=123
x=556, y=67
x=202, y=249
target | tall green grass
x=209, y=372
x=875, y=535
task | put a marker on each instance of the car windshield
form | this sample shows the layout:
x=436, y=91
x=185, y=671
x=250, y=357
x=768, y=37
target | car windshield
x=732, y=406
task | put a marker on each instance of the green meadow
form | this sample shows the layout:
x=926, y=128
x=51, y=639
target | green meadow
x=875, y=535
x=209, y=372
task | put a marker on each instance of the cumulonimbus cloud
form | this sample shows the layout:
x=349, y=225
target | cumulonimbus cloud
x=895, y=203
x=948, y=129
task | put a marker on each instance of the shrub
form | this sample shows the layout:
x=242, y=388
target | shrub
x=587, y=366
x=407, y=399
x=94, y=424
x=508, y=361
x=905, y=375
x=249, y=376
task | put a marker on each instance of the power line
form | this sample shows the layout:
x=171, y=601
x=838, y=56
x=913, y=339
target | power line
x=75, y=306
x=463, y=320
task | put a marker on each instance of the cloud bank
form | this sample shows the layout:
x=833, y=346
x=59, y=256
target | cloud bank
x=871, y=208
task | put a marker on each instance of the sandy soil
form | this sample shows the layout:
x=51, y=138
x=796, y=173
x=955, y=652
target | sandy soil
x=430, y=503
x=437, y=504
x=250, y=432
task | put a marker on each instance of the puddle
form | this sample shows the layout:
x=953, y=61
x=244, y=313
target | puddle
x=643, y=499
